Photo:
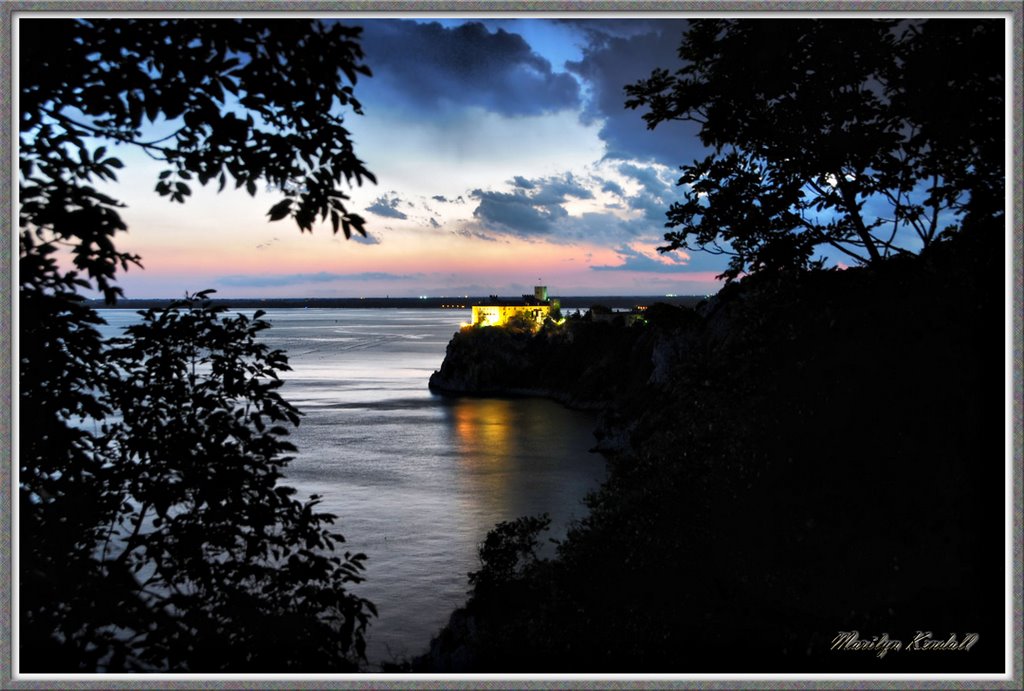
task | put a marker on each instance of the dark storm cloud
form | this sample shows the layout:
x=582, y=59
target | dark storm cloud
x=622, y=52
x=387, y=206
x=429, y=66
x=264, y=281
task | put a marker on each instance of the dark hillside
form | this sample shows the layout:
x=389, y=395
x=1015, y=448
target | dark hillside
x=807, y=454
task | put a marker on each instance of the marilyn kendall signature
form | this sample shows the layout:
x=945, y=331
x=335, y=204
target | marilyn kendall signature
x=922, y=640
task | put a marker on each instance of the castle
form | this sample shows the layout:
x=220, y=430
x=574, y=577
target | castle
x=498, y=312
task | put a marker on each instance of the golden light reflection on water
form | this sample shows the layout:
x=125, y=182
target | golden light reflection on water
x=509, y=451
x=484, y=425
x=486, y=447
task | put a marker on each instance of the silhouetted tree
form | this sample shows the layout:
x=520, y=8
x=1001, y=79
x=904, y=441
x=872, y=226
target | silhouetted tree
x=153, y=533
x=870, y=137
x=508, y=554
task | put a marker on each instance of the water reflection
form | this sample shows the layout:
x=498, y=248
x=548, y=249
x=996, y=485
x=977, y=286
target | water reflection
x=416, y=480
x=521, y=456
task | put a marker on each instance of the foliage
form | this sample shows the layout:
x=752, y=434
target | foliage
x=193, y=557
x=153, y=533
x=522, y=323
x=508, y=551
x=865, y=137
x=669, y=316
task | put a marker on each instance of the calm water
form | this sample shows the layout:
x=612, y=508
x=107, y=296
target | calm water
x=416, y=480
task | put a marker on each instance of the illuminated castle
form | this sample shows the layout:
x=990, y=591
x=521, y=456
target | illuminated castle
x=498, y=312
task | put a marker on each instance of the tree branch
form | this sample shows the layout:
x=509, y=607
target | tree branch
x=113, y=134
x=853, y=211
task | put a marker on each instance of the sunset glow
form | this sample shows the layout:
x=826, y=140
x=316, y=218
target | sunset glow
x=503, y=154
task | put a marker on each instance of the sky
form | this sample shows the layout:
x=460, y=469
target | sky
x=504, y=157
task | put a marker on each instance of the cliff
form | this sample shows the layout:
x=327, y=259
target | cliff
x=803, y=455
x=582, y=364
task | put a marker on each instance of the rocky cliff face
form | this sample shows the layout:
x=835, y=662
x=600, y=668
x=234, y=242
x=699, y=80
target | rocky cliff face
x=581, y=364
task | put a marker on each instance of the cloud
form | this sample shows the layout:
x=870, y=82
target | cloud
x=557, y=190
x=367, y=240
x=387, y=206
x=516, y=213
x=613, y=187
x=648, y=178
x=623, y=53
x=534, y=207
x=636, y=261
x=469, y=231
x=655, y=195
x=431, y=67
x=599, y=30
x=266, y=281
x=675, y=262
x=542, y=208
x=445, y=200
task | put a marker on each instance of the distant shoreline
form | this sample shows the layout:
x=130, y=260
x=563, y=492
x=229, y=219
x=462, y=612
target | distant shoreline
x=569, y=302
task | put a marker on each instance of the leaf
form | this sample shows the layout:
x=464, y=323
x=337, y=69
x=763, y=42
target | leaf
x=280, y=210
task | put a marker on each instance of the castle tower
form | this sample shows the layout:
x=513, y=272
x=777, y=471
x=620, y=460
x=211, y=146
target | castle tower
x=541, y=293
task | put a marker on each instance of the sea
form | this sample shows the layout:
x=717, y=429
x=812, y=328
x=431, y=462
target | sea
x=416, y=479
